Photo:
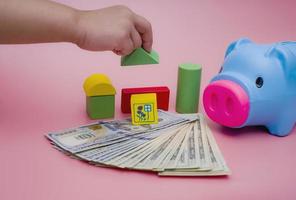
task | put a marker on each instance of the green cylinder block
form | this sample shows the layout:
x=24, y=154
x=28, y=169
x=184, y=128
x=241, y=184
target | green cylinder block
x=189, y=78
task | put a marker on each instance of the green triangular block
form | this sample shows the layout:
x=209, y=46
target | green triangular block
x=140, y=57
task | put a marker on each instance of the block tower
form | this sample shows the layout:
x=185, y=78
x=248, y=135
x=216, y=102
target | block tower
x=100, y=96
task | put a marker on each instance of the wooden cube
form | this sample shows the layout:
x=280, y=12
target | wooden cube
x=99, y=107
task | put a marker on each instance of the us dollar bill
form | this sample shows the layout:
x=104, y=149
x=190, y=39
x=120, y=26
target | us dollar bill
x=131, y=159
x=219, y=166
x=104, y=133
x=179, y=145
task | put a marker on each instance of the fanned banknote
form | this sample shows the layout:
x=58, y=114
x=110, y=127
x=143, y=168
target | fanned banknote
x=179, y=145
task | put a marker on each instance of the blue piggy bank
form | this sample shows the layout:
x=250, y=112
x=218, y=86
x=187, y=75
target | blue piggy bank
x=256, y=86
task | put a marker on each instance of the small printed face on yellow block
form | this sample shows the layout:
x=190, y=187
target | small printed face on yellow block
x=144, y=109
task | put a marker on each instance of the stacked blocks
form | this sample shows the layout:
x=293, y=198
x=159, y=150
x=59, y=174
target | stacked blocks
x=189, y=77
x=162, y=96
x=140, y=57
x=144, y=109
x=100, y=96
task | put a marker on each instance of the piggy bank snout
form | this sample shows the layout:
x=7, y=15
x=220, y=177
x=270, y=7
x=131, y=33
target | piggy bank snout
x=226, y=103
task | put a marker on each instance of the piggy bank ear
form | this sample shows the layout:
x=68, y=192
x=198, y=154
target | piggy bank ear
x=234, y=45
x=286, y=58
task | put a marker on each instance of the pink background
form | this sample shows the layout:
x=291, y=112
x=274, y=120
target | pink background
x=41, y=91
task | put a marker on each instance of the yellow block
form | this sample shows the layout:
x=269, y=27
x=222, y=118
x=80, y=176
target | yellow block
x=98, y=85
x=144, y=109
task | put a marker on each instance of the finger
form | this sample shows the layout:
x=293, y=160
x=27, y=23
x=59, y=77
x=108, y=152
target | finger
x=144, y=28
x=127, y=47
x=136, y=38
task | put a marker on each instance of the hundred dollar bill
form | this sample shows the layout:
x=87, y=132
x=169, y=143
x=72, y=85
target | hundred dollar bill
x=130, y=159
x=122, y=155
x=170, y=162
x=187, y=130
x=163, y=160
x=155, y=158
x=202, y=143
x=115, y=151
x=92, y=154
x=216, y=156
x=155, y=155
x=189, y=158
x=219, y=166
x=106, y=133
x=194, y=152
x=180, y=145
x=181, y=159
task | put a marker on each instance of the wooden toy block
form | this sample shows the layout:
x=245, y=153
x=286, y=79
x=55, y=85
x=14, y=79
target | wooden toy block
x=100, y=96
x=162, y=96
x=189, y=76
x=144, y=109
x=140, y=57
x=98, y=85
x=99, y=107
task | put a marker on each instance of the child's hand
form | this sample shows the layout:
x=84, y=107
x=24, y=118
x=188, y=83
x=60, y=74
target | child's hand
x=116, y=28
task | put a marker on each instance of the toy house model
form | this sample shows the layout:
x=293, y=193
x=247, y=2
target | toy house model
x=100, y=96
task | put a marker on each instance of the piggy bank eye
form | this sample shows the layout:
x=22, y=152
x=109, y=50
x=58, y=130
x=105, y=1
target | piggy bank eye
x=259, y=82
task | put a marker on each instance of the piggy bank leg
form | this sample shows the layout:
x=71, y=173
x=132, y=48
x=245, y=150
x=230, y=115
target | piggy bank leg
x=282, y=127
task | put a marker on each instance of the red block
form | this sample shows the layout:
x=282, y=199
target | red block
x=162, y=95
